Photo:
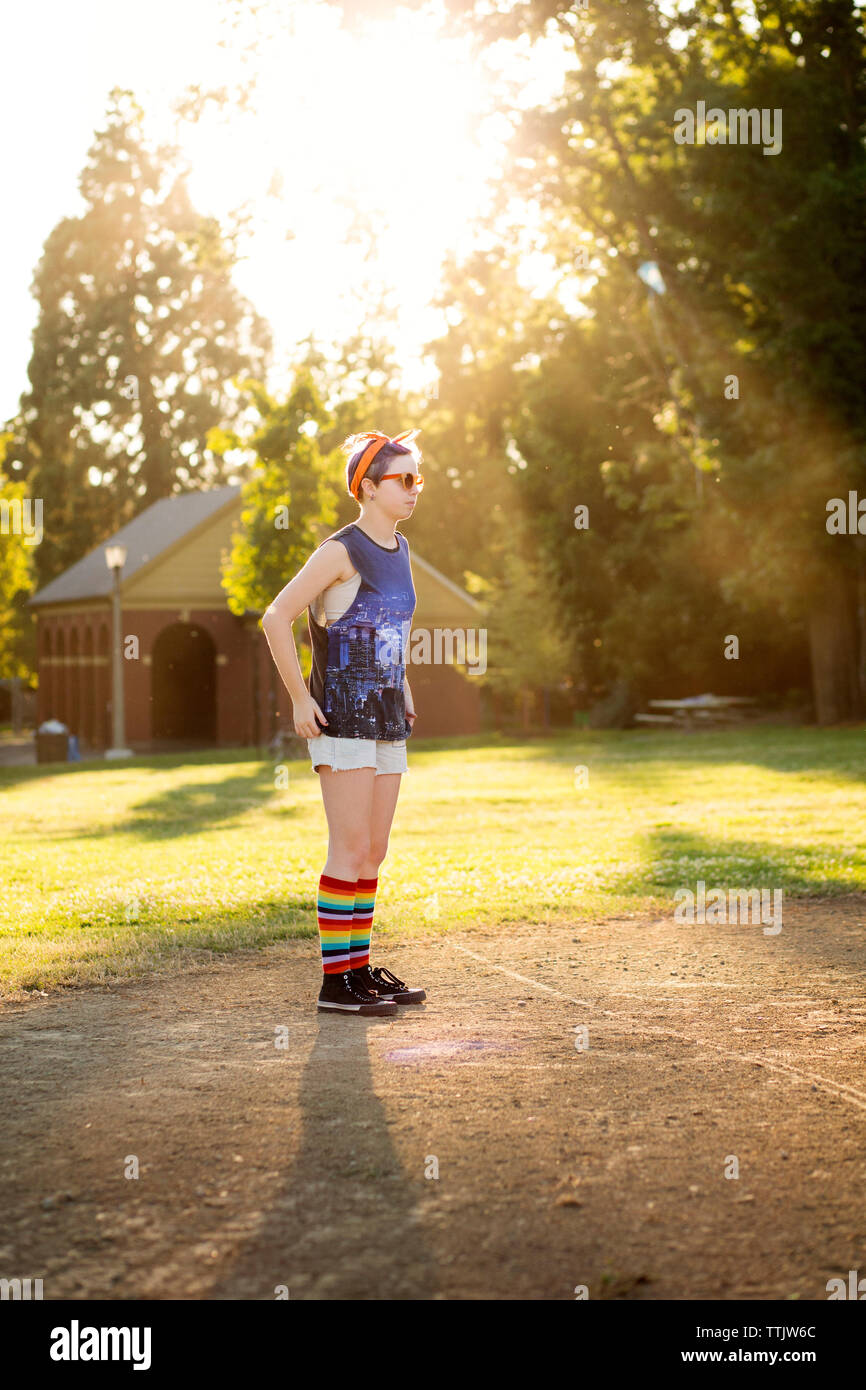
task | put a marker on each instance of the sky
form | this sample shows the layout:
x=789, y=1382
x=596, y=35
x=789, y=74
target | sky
x=395, y=122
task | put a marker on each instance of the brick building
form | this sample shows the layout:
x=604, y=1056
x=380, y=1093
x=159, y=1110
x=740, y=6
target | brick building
x=201, y=675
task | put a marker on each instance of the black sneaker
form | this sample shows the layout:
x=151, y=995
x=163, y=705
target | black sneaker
x=387, y=986
x=346, y=994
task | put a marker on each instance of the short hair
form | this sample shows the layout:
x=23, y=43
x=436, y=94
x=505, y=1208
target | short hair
x=355, y=445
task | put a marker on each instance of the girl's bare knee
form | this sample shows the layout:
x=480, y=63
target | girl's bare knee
x=354, y=853
x=378, y=851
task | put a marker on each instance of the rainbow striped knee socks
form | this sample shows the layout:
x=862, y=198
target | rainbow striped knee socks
x=335, y=908
x=362, y=922
x=345, y=915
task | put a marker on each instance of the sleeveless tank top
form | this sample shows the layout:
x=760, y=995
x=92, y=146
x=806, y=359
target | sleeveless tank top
x=358, y=665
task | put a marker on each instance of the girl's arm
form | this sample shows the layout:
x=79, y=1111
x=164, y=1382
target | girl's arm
x=324, y=567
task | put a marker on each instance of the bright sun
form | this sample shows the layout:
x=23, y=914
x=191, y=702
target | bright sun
x=362, y=161
x=366, y=158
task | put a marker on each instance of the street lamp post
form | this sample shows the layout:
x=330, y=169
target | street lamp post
x=115, y=559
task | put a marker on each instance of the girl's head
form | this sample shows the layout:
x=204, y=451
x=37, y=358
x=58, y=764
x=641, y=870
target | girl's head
x=384, y=473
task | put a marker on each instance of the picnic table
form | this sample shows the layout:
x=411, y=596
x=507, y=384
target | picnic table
x=697, y=710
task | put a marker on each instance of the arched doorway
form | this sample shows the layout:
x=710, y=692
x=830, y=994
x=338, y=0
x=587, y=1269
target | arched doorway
x=183, y=684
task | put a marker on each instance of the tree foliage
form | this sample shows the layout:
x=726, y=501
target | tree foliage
x=710, y=506
x=140, y=333
x=288, y=492
x=16, y=570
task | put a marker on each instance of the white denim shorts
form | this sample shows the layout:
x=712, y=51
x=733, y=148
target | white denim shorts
x=345, y=754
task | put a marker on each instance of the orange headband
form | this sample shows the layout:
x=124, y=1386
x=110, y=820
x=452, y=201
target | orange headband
x=378, y=441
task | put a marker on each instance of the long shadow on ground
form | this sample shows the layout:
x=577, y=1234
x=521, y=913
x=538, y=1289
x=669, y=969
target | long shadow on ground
x=346, y=1208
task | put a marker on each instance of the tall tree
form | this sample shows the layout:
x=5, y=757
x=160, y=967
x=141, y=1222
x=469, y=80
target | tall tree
x=139, y=335
x=763, y=258
x=288, y=492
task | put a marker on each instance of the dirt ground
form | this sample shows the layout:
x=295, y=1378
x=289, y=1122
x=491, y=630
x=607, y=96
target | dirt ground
x=279, y=1147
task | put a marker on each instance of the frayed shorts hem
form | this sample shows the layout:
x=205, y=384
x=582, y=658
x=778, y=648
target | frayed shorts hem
x=347, y=754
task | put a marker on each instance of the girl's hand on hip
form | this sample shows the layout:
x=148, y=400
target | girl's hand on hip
x=305, y=712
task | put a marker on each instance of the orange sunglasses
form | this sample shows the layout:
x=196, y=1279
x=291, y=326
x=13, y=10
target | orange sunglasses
x=409, y=480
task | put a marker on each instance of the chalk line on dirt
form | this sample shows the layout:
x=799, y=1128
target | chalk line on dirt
x=839, y=1089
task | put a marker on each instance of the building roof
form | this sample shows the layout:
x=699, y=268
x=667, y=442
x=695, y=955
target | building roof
x=155, y=530
x=167, y=526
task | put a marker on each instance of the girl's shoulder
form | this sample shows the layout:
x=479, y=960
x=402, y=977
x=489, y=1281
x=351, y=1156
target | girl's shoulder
x=344, y=539
x=344, y=531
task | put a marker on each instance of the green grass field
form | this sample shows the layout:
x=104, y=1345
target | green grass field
x=112, y=869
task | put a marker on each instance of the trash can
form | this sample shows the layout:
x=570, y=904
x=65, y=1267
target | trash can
x=52, y=742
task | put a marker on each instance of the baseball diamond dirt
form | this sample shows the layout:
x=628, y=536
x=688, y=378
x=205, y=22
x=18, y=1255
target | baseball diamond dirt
x=275, y=1145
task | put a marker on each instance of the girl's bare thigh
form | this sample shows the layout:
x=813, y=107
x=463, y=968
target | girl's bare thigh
x=359, y=808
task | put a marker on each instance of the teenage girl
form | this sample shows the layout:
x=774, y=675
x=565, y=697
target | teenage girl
x=358, y=711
